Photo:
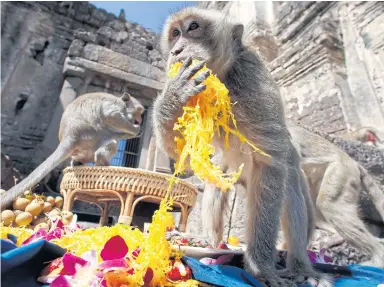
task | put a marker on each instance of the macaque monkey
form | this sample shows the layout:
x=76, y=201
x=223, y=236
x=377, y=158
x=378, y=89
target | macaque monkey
x=335, y=181
x=210, y=37
x=365, y=135
x=89, y=130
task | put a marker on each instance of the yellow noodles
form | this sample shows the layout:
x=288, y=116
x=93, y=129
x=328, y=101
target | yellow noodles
x=21, y=233
x=204, y=115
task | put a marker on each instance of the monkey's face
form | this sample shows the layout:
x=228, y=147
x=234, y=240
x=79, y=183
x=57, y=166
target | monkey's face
x=203, y=35
x=133, y=112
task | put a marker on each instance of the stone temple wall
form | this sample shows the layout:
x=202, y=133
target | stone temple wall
x=327, y=58
x=49, y=49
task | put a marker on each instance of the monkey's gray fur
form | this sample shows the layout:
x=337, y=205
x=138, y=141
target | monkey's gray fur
x=335, y=181
x=89, y=129
x=270, y=182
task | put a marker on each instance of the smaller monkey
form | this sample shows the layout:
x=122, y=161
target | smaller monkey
x=89, y=130
x=335, y=181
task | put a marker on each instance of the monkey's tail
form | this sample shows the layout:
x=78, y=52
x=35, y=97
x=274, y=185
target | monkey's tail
x=373, y=190
x=59, y=155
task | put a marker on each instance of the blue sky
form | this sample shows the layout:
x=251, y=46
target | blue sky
x=150, y=14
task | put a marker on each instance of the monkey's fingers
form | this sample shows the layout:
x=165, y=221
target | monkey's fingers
x=185, y=65
x=200, y=88
x=201, y=78
x=190, y=72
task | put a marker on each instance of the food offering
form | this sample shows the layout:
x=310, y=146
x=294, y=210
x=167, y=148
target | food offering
x=205, y=116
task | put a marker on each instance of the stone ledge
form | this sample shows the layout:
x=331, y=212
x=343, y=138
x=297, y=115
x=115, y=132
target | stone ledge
x=122, y=62
x=72, y=67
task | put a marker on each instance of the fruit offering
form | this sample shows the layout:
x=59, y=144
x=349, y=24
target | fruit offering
x=33, y=211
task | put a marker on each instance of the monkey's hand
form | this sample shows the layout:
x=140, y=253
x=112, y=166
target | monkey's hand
x=182, y=86
x=169, y=105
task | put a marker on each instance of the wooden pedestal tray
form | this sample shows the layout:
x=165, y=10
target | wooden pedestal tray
x=101, y=185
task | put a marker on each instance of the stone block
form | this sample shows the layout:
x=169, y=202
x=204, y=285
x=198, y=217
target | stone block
x=90, y=52
x=107, y=32
x=128, y=25
x=99, y=14
x=122, y=36
x=76, y=48
x=117, y=25
x=85, y=36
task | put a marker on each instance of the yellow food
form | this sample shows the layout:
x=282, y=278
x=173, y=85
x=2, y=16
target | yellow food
x=205, y=115
x=17, y=212
x=233, y=240
x=20, y=203
x=24, y=219
x=58, y=201
x=7, y=216
x=21, y=233
x=47, y=207
x=34, y=208
x=51, y=200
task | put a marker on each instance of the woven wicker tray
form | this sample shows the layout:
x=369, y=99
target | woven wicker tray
x=100, y=184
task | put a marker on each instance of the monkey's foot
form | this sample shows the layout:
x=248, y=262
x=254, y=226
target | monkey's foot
x=311, y=277
x=335, y=240
x=269, y=279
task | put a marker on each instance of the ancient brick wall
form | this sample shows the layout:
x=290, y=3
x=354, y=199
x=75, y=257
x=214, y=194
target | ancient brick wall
x=37, y=38
x=327, y=58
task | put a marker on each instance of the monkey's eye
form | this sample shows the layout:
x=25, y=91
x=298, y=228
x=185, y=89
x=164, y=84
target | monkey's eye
x=175, y=33
x=193, y=26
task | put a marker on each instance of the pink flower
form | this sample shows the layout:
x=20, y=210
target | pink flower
x=57, y=231
x=148, y=277
x=61, y=281
x=70, y=261
x=86, y=271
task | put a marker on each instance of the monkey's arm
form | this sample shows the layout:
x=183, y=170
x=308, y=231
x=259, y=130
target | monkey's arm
x=164, y=117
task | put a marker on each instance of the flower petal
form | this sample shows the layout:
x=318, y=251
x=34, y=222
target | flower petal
x=224, y=259
x=312, y=256
x=60, y=281
x=324, y=258
x=148, y=277
x=114, y=248
x=207, y=261
x=115, y=263
x=136, y=252
x=53, y=234
x=40, y=234
x=70, y=261
x=90, y=256
x=47, y=279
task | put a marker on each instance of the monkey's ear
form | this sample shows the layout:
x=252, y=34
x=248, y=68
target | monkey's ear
x=125, y=97
x=237, y=31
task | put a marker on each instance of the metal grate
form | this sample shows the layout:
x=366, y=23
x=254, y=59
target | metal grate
x=128, y=151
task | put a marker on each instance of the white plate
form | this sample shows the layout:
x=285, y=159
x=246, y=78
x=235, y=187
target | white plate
x=199, y=252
